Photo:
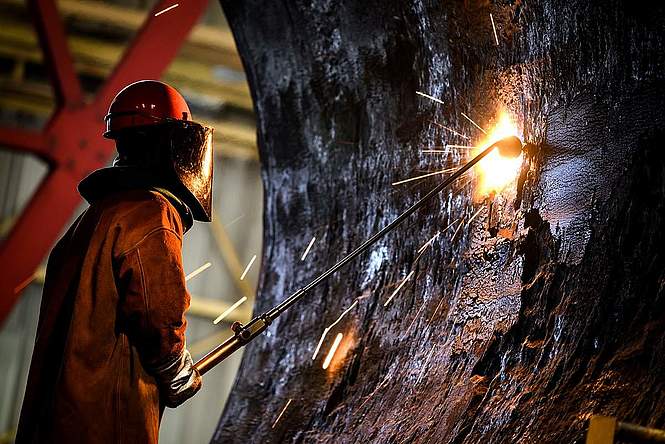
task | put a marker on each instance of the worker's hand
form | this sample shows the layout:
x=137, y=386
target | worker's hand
x=178, y=380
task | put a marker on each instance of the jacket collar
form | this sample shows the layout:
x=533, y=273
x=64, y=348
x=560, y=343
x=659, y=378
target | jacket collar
x=102, y=182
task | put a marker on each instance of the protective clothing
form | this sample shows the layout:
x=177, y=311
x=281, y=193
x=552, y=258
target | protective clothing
x=179, y=150
x=110, y=349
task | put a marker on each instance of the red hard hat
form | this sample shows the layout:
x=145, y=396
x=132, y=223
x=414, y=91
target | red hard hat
x=142, y=103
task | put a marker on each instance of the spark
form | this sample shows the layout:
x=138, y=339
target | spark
x=448, y=170
x=471, y=120
x=229, y=310
x=429, y=242
x=430, y=97
x=494, y=28
x=451, y=130
x=433, y=151
x=457, y=231
x=328, y=328
x=244, y=273
x=332, y=351
x=344, y=314
x=461, y=146
x=235, y=220
x=167, y=9
x=422, y=372
x=399, y=287
x=318, y=346
x=450, y=225
x=416, y=317
x=198, y=271
x=304, y=255
x=281, y=413
x=436, y=310
x=474, y=216
x=376, y=389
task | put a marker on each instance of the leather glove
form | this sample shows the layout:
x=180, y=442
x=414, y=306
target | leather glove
x=178, y=379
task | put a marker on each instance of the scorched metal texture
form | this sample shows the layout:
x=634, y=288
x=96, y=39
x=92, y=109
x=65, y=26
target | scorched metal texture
x=516, y=327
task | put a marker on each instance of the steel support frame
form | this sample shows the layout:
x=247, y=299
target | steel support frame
x=71, y=142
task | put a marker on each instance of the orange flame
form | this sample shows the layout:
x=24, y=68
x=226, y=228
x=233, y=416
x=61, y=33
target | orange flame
x=495, y=172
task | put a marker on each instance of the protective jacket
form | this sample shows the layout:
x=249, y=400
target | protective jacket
x=111, y=323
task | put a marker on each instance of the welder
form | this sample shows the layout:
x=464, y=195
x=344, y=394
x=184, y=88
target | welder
x=110, y=350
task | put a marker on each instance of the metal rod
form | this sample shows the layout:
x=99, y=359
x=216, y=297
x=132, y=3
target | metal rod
x=244, y=334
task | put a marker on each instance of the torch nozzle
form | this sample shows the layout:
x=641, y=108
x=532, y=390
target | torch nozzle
x=510, y=146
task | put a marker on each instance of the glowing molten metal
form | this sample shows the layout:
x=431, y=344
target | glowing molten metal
x=495, y=171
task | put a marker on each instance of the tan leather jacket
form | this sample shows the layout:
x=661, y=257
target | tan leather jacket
x=122, y=314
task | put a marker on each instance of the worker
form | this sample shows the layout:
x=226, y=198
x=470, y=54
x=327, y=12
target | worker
x=110, y=350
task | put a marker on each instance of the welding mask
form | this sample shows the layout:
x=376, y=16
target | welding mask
x=191, y=164
x=149, y=121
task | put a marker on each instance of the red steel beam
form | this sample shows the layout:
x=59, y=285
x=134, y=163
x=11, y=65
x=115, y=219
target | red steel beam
x=24, y=141
x=71, y=142
x=53, y=41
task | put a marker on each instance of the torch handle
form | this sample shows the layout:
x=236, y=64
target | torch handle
x=241, y=337
x=218, y=354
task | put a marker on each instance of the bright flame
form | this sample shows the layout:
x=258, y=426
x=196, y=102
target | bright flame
x=495, y=172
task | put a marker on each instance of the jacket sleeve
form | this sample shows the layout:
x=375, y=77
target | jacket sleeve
x=153, y=300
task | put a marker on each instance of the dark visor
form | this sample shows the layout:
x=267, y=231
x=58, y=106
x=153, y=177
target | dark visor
x=192, y=155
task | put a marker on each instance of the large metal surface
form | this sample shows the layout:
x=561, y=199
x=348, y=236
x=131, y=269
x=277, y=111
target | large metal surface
x=515, y=337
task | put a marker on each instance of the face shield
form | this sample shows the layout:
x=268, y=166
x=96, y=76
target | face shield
x=192, y=156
